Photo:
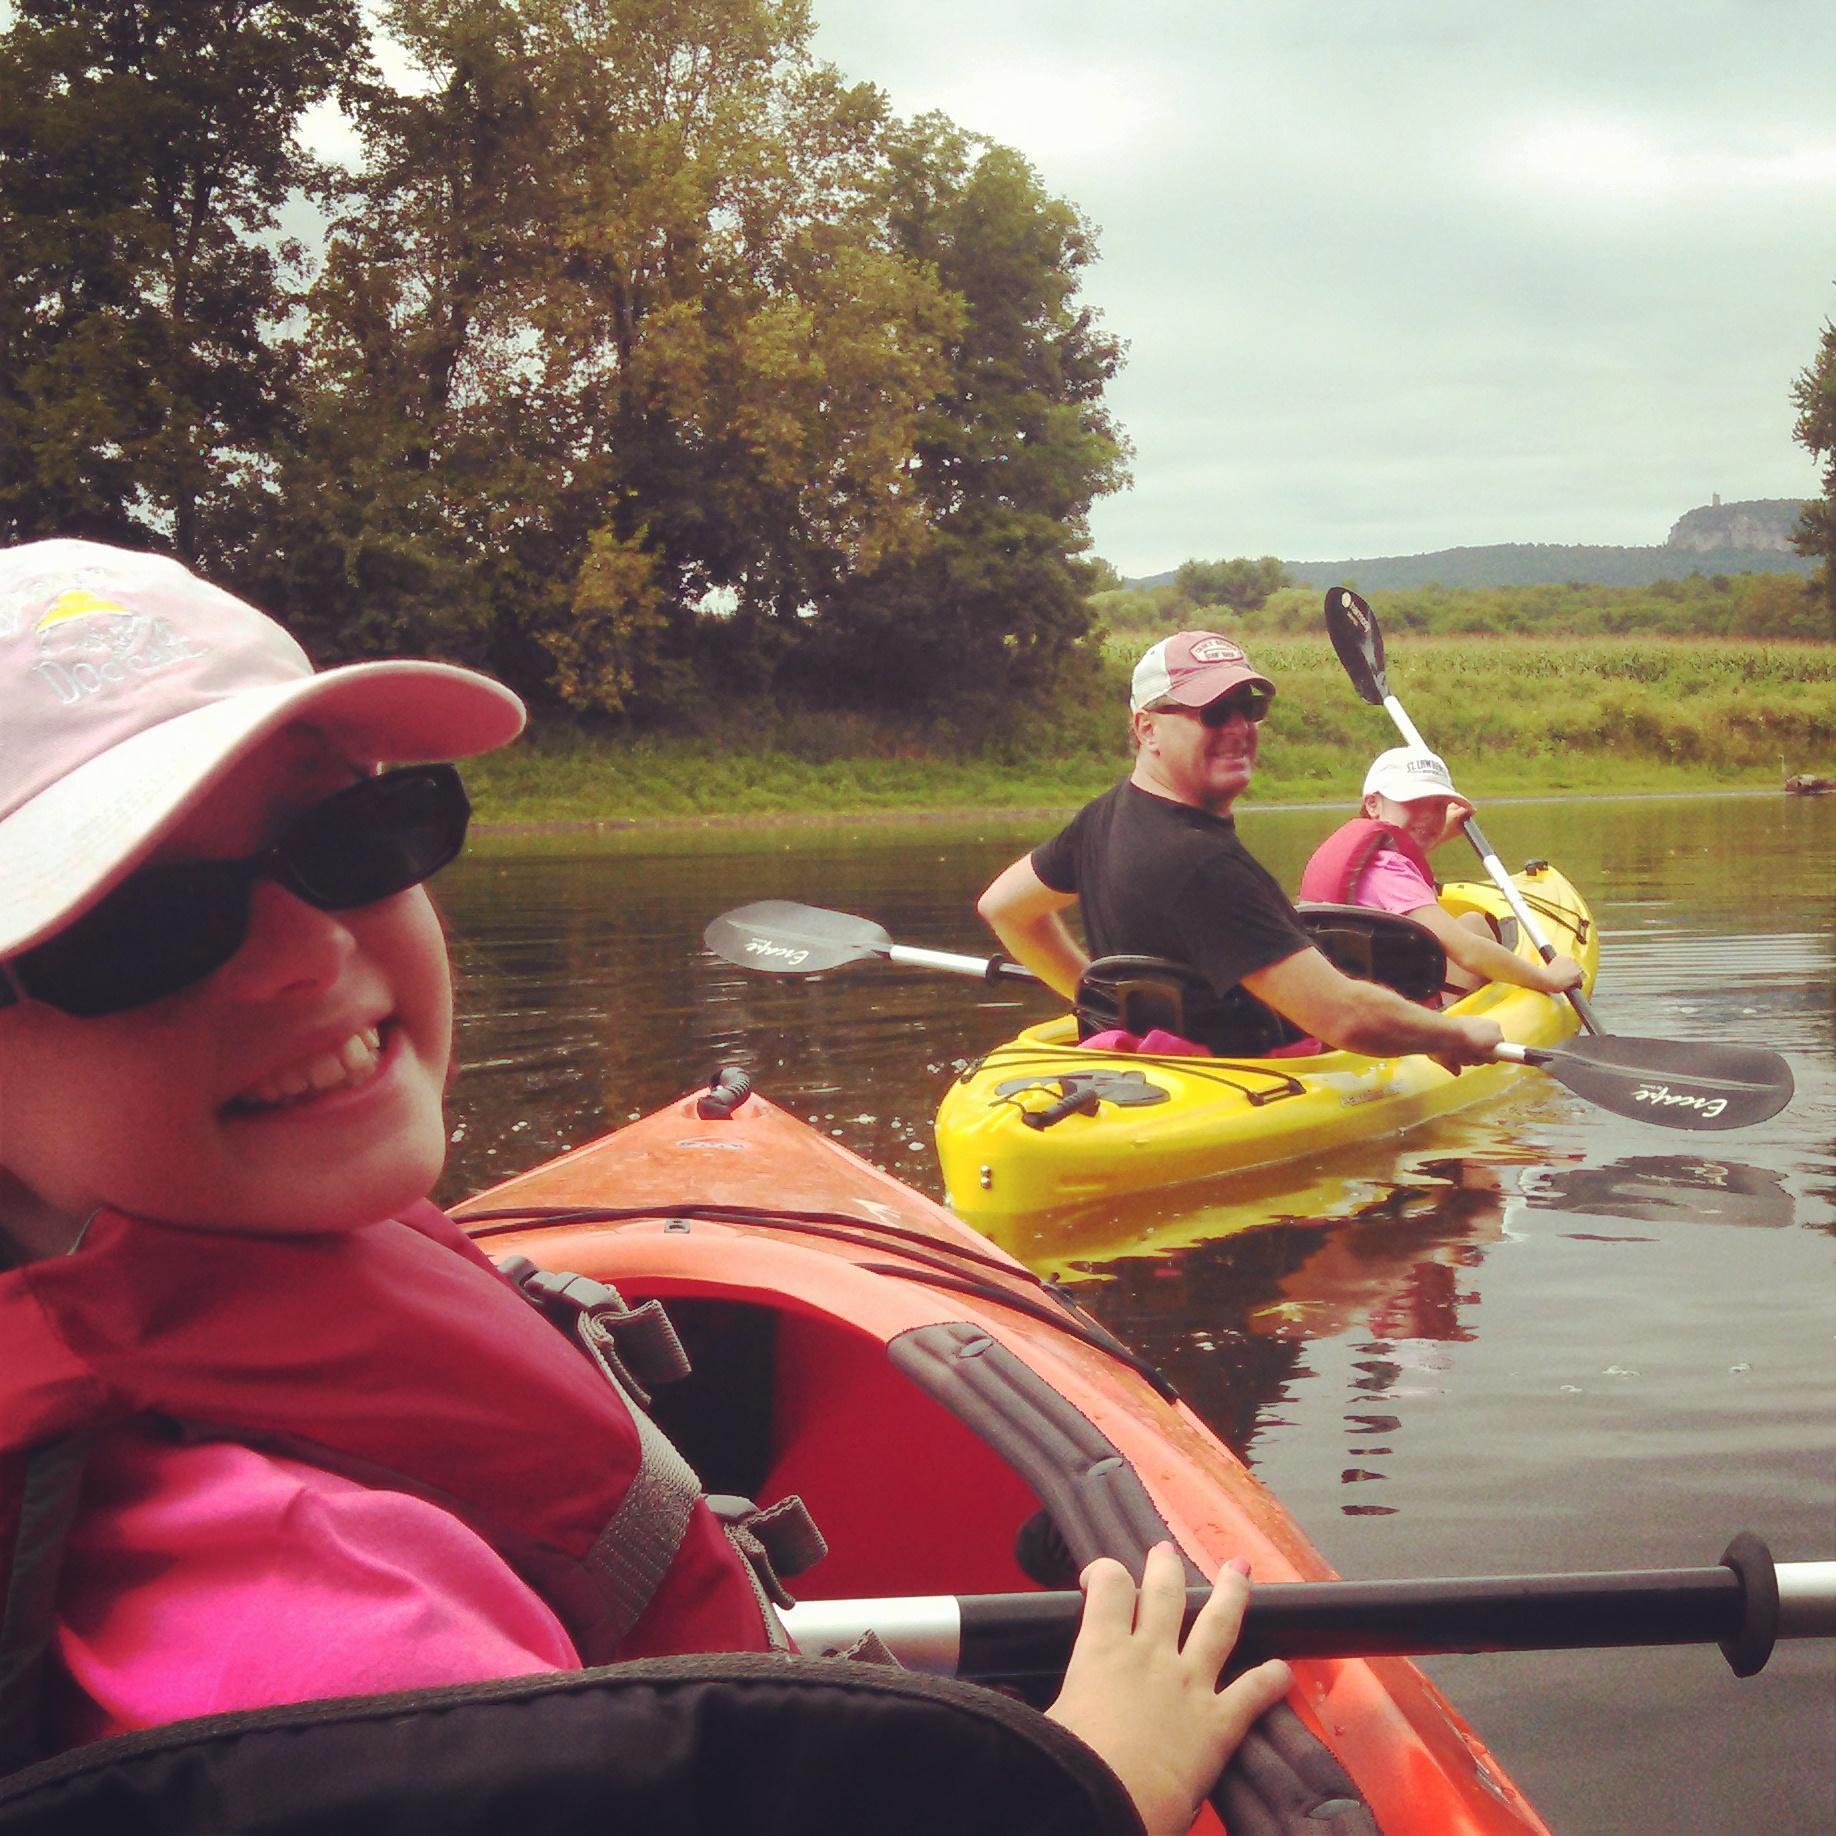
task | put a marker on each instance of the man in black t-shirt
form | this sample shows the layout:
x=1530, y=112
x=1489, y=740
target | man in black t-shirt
x=1157, y=869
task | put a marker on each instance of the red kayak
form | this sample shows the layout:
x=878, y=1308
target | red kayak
x=954, y=1424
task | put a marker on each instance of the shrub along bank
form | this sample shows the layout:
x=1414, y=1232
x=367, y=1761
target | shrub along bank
x=1515, y=716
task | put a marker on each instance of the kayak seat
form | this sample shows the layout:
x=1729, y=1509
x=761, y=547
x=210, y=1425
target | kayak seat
x=706, y=1744
x=1374, y=946
x=781, y=1401
x=1138, y=993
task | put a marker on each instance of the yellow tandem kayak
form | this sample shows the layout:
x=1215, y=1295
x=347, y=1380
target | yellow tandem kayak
x=1161, y=1122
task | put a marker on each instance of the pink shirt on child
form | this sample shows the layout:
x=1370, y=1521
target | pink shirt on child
x=1392, y=883
x=209, y=1577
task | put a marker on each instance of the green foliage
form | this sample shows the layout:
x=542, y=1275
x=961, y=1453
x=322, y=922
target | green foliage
x=610, y=286
x=645, y=358
x=1814, y=394
x=1237, y=586
x=144, y=152
x=1720, y=605
x=1008, y=455
x=1514, y=715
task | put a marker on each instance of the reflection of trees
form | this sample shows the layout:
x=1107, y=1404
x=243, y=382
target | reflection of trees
x=1229, y=1319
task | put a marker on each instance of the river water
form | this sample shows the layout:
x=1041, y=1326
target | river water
x=1530, y=1337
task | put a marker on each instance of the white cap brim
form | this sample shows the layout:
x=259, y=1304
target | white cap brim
x=81, y=835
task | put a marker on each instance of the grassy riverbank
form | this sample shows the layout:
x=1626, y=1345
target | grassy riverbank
x=1515, y=716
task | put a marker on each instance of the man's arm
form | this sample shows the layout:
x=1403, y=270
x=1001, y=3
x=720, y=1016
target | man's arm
x=1367, y=1017
x=1026, y=914
x=1490, y=961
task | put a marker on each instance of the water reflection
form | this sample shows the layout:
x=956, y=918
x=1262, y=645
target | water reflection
x=1656, y=1188
x=1427, y=1350
x=1228, y=1316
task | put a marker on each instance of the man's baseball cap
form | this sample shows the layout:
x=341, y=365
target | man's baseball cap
x=129, y=687
x=1191, y=669
x=1406, y=774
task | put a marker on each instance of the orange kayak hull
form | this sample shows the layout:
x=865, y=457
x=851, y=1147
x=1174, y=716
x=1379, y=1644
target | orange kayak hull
x=800, y=1264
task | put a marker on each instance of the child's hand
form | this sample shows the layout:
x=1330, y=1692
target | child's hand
x=1151, y=1710
x=1459, y=811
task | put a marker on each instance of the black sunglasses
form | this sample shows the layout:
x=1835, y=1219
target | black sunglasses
x=1252, y=703
x=167, y=927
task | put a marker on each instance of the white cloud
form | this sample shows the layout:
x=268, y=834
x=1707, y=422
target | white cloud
x=1615, y=161
x=1594, y=159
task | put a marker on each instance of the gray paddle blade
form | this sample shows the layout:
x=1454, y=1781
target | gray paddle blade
x=1675, y=1083
x=781, y=938
x=1358, y=641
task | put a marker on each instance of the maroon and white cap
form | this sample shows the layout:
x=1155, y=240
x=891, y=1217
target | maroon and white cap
x=1191, y=669
x=129, y=687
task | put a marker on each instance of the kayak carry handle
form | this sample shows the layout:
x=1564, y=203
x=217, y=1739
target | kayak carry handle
x=1079, y=1099
x=727, y=1089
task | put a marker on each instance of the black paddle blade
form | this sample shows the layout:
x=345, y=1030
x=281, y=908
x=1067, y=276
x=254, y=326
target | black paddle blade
x=1674, y=1083
x=780, y=938
x=1352, y=626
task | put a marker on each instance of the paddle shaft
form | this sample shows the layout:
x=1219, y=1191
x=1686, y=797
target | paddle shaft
x=984, y=968
x=1741, y=1608
x=1494, y=866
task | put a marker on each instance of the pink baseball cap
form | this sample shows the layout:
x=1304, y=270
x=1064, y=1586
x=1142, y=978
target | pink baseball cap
x=128, y=687
x=1191, y=669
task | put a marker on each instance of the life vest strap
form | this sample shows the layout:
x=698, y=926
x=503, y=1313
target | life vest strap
x=637, y=1347
x=634, y=1551
x=49, y=1486
x=776, y=1540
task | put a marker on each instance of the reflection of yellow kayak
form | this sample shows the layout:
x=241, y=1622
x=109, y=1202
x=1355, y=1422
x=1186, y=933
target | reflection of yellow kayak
x=1161, y=1122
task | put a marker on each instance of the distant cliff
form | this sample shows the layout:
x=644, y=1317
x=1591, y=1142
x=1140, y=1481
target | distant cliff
x=1540, y=564
x=1745, y=538
x=1762, y=525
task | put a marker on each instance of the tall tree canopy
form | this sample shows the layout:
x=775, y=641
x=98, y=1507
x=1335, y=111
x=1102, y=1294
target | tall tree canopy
x=1814, y=394
x=643, y=359
x=1010, y=453
x=144, y=153
x=606, y=331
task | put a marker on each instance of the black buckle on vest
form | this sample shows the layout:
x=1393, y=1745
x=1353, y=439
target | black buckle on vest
x=638, y=1345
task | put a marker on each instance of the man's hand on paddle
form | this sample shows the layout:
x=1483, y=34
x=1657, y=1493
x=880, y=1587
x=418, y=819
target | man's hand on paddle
x=1150, y=1707
x=1477, y=1038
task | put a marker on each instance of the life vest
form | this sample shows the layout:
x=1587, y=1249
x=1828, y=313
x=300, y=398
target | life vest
x=397, y=1355
x=1333, y=872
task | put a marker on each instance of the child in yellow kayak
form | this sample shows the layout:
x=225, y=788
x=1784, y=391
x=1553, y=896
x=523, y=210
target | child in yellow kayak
x=1380, y=859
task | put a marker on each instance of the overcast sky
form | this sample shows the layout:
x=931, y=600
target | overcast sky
x=1397, y=275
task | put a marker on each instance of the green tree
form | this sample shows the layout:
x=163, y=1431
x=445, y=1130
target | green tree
x=1814, y=394
x=1010, y=452
x=1241, y=584
x=145, y=151
x=607, y=336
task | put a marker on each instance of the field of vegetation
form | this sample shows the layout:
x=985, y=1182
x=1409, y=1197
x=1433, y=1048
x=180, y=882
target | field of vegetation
x=1515, y=715
x=1761, y=606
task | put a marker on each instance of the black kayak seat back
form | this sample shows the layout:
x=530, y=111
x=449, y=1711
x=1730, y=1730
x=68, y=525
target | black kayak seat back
x=1137, y=993
x=1374, y=946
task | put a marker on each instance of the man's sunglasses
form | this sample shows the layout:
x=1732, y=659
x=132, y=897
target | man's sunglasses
x=1252, y=703
x=168, y=927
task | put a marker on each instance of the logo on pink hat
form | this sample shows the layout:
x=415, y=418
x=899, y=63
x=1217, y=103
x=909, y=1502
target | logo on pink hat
x=87, y=643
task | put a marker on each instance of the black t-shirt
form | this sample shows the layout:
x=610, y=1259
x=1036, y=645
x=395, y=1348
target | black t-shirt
x=1155, y=878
